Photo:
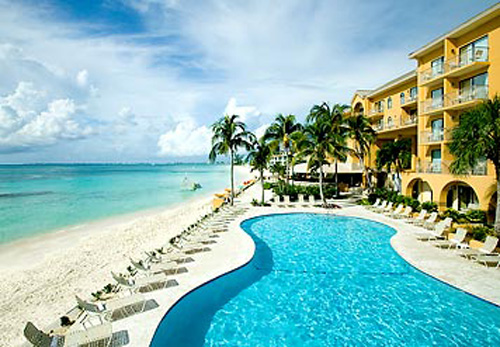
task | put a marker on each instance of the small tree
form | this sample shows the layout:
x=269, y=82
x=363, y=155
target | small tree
x=259, y=157
x=395, y=154
x=477, y=138
x=229, y=135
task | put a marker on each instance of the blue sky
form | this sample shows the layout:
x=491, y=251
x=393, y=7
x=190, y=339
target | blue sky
x=143, y=80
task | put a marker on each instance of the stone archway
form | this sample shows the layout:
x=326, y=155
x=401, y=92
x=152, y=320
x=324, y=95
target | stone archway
x=420, y=190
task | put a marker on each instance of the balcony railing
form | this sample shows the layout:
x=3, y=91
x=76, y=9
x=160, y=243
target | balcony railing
x=466, y=94
x=443, y=167
x=432, y=104
x=409, y=98
x=478, y=54
x=410, y=120
x=427, y=137
x=378, y=127
x=375, y=111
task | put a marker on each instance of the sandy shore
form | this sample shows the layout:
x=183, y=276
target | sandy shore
x=40, y=277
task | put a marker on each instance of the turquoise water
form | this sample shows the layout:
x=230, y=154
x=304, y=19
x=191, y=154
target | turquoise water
x=318, y=280
x=39, y=198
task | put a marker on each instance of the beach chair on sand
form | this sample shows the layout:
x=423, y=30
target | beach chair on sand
x=457, y=239
x=40, y=339
x=487, y=249
x=375, y=205
x=145, y=284
x=116, y=309
x=99, y=335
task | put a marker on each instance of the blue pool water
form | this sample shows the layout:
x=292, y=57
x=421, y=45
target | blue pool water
x=40, y=198
x=319, y=280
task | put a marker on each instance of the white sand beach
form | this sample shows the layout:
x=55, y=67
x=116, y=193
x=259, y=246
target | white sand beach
x=40, y=277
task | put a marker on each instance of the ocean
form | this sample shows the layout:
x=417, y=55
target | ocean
x=36, y=199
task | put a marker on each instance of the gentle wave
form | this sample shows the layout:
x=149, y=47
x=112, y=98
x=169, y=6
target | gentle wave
x=24, y=194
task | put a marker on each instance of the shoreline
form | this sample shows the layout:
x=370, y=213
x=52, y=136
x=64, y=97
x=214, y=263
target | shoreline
x=40, y=276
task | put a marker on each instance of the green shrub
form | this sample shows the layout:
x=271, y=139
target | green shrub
x=364, y=202
x=281, y=188
x=480, y=233
x=430, y=206
x=476, y=216
x=453, y=214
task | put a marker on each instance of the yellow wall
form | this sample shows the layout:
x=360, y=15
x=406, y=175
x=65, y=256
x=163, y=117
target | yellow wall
x=421, y=173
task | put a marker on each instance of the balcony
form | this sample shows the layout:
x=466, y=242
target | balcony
x=375, y=112
x=432, y=137
x=378, y=127
x=443, y=167
x=463, y=98
x=410, y=120
x=461, y=64
x=410, y=100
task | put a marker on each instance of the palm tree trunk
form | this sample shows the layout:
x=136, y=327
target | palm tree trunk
x=364, y=174
x=497, y=214
x=321, y=184
x=232, y=178
x=262, y=184
x=287, y=166
x=337, y=191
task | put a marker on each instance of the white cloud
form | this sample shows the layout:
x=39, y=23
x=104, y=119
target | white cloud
x=186, y=139
x=27, y=123
x=260, y=131
x=82, y=78
x=245, y=112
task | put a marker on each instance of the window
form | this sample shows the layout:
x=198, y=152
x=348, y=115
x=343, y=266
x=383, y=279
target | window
x=402, y=98
x=413, y=93
x=390, y=123
x=474, y=51
x=474, y=88
x=437, y=130
x=436, y=161
x=437, y=98
x=379, y=105
x=389, y=103
x=437, y=67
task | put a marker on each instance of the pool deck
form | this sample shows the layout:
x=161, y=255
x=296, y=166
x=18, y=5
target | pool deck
x=235, y=248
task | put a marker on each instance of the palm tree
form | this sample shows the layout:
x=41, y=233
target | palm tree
x=279, y=135
x=395, y=154
x=229, y=135
x=477, y=138
x=259, y=157
x=361, y=131
x=315, y=145
x=334, y=117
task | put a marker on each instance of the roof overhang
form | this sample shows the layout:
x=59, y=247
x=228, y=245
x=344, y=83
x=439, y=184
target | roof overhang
x=407, y=77
x=471, y=24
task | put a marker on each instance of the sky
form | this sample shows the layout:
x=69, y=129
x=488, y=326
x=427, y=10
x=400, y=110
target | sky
x=144, y=80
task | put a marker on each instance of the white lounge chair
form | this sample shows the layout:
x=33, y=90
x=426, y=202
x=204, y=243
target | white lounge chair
x=286, y=200
x=115, y=309
x=380, y=207
x=397, y=211
x=312, y=200
x=405, y=214
x=435, y=234
x=375, y=205
x=431, y=219
x=387, y=208
x=488, y=247
x=457, y=239
x=98, y=335
x=301, y=201
x=487, y=259
x=430, y=222
x=418, y=219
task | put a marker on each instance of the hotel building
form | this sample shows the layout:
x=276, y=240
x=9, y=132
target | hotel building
x=453, y=73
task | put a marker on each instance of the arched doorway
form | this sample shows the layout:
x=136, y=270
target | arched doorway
x=358, y=109
x=420, y=190
x=459, y=196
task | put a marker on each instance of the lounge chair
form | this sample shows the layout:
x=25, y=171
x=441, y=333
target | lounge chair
x=40, y=339
x=457, y=239
x=275, y=200
x=418, y=219
x=145, y=284
x=375, y=205
x=312, y=201
x=286, y=200
x=488, y=247
x=487, y=259
x=397, y=211
x=115, y=309
x=97, y=335
x=431, y=221
x=387, y=208
x=380, y=207
x=405, y=214
x=301, y=201
x=435, y=234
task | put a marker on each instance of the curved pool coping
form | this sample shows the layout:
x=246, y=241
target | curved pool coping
x=237, y=249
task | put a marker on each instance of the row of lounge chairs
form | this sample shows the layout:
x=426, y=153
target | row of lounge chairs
x=434, y=231
x=94, y=319
x=311, y=201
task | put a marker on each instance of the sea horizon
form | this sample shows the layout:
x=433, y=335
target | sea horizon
x=42, y=198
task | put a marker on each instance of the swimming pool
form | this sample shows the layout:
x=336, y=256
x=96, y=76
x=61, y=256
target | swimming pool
x=324, y=280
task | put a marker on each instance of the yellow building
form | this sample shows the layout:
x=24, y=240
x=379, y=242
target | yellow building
x=454, y=72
